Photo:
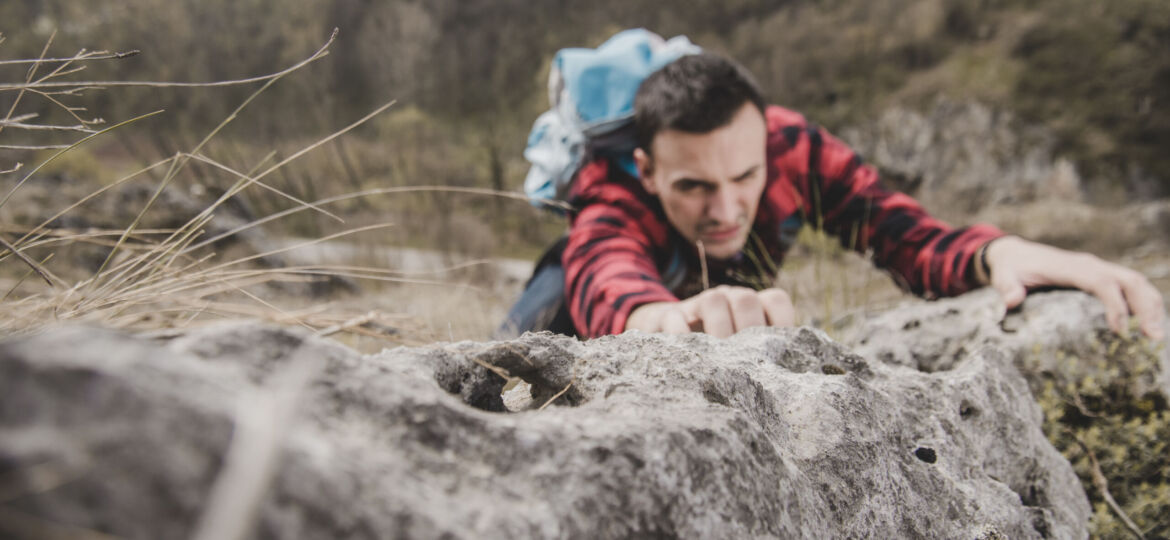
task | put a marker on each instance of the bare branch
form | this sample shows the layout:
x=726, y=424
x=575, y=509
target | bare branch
x=71, y=110
x=43, y=147
x=28, y=79
x=262, y=424
x=356, y=321
x=60, y=72
x=72, y=91
x=24, y=277
x=204, y=159
x=49, y=278
x=1102, y=486
x=65, y=149
x=45, y=127
x=92, y=55
x=162, y=84
x=559, y=394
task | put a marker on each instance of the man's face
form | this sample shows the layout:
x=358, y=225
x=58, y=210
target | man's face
x=710, y=184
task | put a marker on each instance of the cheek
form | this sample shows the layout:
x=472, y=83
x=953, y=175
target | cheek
x=750, y=195
x=685, y=212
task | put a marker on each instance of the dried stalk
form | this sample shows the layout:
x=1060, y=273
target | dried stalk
x=262, y=424
x=29, y=85
x=83, y=55
x=1102, y=486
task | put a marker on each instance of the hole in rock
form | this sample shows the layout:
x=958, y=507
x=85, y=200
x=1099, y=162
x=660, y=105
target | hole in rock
x=832, y=369
x=968, y=411
x=713, y=394
x=926, y=454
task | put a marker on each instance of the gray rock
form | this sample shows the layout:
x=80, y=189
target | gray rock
x=962, y=157
x=938, y=335
x=770, y=434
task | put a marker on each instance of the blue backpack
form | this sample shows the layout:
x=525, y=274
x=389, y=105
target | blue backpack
x=591, y=92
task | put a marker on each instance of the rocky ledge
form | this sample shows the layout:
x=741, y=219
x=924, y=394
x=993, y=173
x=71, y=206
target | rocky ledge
x=246, y=429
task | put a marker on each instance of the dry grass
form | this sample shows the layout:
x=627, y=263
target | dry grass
x=170, y=278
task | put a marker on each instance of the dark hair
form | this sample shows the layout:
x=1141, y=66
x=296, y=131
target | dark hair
x=697, y=93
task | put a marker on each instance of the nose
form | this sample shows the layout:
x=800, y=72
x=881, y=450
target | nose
x=722, y=207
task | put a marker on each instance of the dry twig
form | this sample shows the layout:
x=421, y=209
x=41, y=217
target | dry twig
x=262, y=424
x=1102, y=486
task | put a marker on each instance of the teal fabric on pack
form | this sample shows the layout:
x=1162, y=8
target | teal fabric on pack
x=591, y=92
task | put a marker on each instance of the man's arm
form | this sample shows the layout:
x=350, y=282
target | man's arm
x=932, y=259
x=838, y=192
x=609, y=269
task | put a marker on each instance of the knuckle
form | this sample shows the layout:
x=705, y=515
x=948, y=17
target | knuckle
x=714, y=297
x=1105, y=284
x=1133, y=278
x=1089, y=259
x=775, y=297
x=744, y=300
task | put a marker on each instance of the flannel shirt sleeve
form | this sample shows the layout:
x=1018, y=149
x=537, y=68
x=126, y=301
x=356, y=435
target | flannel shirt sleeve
x=838, y=192
x=609, y=263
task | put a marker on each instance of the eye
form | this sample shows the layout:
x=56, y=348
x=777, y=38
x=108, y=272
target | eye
x=747, y=176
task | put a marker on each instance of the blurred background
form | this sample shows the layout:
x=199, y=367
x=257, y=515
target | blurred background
x=1049, y=118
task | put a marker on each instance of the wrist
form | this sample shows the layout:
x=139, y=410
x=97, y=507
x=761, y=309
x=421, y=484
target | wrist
x=644, y=316
x=993, y=250
x=981, y=263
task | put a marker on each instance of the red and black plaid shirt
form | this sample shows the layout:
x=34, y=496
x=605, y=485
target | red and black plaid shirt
x=623, y=253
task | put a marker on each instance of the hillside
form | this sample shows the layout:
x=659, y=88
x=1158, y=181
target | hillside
x=1095, y=73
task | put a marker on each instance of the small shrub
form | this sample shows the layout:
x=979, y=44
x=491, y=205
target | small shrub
x=1104, y=413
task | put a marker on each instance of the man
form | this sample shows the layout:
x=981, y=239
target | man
x=724, y=184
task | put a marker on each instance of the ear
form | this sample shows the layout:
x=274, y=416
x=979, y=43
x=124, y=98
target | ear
x=645, y=165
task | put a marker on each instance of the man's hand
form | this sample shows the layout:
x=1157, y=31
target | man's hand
x=1017, y=264
x=721, y=312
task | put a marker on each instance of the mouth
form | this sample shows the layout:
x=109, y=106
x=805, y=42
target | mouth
x=721, y=235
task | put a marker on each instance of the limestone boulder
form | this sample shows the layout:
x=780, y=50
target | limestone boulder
x=250, y=429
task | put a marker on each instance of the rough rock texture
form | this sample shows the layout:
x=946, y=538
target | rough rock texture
x=938, y=336
x=968, y=152
x=768, y=434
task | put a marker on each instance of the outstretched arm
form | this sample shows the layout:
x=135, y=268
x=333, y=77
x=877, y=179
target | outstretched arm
x=930, y=258
x=834, y=190
x=1016, y=264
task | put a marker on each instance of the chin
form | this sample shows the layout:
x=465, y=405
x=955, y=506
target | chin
x=725, y=250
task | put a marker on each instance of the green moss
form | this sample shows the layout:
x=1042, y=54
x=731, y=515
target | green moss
x=1105, y=397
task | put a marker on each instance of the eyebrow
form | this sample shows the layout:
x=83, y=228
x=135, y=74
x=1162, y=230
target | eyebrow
x=751, y=170
x=707, y=183
x=695, y=182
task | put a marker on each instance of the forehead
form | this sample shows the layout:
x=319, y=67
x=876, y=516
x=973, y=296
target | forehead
x=721, y=154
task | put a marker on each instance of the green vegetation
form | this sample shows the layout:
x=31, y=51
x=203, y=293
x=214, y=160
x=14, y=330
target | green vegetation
x=1103, y=412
